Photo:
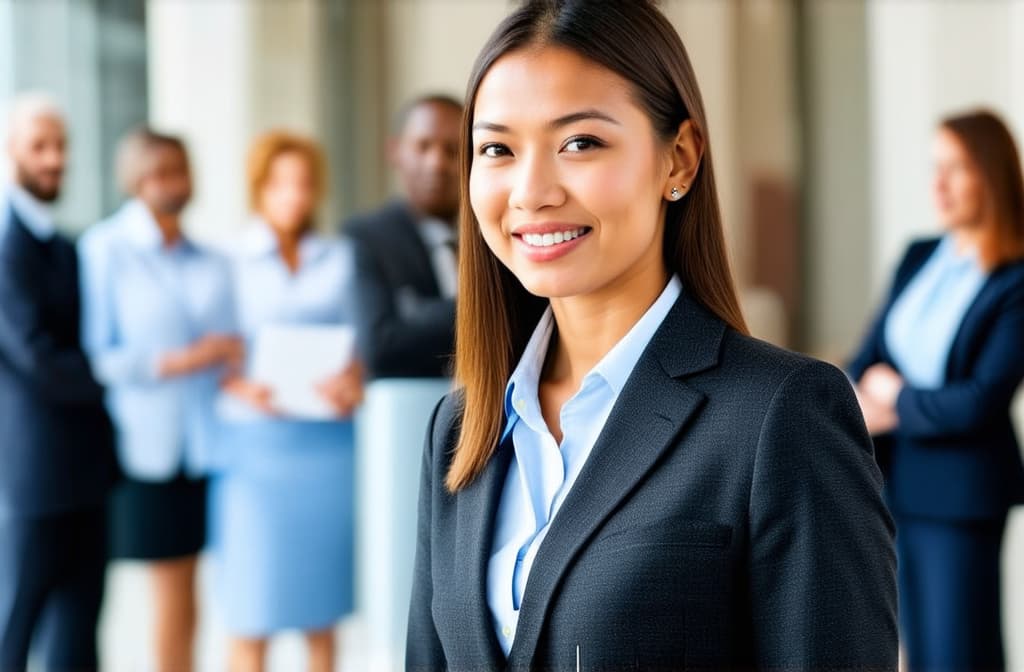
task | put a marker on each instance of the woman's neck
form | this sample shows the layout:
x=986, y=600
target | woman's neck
x=589, y=326
x=288, y=246
x=969, y=237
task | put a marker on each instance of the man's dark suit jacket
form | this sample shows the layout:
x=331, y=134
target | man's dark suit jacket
x=56, y=441
x=406, y=329
x=729, y=516
x=954, y=455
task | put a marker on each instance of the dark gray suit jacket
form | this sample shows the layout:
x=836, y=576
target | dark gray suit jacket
x=406, y=328
x=730, y=516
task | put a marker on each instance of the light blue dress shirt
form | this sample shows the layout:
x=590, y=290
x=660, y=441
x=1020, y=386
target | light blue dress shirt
x=269, y=293
x=925, y=318
x=140, y=300
x=34, y=214
x=542, y=472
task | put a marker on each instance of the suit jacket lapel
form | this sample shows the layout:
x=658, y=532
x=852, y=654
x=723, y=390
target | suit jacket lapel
x=477, y=506
x=967, y=334
x=652, y=409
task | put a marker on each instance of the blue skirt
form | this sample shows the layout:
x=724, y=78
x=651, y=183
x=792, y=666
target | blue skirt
x=281, y=526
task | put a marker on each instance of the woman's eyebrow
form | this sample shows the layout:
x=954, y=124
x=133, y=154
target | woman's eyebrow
x=488, y=126
x=583, y=115
x=565, y=120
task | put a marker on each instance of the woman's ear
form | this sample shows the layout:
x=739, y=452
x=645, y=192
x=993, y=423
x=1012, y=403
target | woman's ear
x=687, y=150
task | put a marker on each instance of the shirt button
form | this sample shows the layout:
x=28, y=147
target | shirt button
x=520, y=404
x=507, y=631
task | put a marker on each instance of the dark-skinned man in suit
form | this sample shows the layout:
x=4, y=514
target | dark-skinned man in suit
x=405, y=251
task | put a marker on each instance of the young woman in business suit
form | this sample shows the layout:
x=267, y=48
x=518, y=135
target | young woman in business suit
x=936, y=375
x=625, y=479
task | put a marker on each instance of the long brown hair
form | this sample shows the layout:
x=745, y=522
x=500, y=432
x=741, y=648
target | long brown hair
x=992, y=150
x=496, y=314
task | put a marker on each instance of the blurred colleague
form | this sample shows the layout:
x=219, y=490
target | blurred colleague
x=156, y=325
x=56, y=451
x=282, y=519
x=406, y=256
x=935, y=376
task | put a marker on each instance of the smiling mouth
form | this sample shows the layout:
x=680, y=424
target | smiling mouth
x=542, y=240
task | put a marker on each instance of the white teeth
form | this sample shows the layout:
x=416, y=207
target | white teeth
x=549, y=239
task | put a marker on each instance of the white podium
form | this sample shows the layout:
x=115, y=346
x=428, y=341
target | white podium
x=390, y=432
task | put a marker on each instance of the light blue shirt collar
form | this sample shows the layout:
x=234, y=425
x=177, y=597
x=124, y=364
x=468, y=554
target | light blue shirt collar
x=260, y=241
x=142, y=230
x=32, y=212
x=614, y=368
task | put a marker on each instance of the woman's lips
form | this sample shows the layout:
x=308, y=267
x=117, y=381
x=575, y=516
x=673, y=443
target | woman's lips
x=552, y=243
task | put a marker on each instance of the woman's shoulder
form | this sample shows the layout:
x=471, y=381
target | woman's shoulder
x=756, y=373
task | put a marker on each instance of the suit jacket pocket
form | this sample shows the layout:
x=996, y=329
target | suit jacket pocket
x=666, y=531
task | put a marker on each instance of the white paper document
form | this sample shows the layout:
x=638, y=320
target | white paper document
x=293, y=359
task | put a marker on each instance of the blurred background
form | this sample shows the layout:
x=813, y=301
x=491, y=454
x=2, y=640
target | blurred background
x=822, y=114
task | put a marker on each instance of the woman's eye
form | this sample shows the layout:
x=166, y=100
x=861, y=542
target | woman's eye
x=494, y=150
x=582, y=144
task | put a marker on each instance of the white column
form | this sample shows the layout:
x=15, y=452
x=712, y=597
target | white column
x=6, y=78
x=221, y=72
x=199, y=87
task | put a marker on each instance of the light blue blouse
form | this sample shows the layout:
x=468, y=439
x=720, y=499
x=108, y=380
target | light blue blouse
x=266, y=292
x=543, y=471
x=141, y=299
x=925, y=318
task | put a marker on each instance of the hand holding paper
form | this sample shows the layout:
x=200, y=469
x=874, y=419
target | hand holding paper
x=305, y=370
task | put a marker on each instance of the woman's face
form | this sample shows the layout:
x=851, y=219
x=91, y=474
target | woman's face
x=958, y=188
x=568, y=177
x=288, y=196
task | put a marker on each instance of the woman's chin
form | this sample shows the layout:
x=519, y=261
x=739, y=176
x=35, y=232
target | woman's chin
x=548, y=287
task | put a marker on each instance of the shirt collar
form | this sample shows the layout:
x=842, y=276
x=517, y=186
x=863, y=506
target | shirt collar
x=260, y=241
x=955, y=257
x=33, y=213
x=436, y=232
x=141, y=229
x=614, y=368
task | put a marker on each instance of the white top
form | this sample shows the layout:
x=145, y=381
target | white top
x=440, y=238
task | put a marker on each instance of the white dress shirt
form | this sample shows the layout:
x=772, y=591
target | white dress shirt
x=34, y=214
x=440, y=239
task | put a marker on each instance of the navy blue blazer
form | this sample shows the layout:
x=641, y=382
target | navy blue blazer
x=56, y=450
x=730, y=516
x=954, y=455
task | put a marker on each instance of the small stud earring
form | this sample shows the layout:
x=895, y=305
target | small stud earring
x=676, y=194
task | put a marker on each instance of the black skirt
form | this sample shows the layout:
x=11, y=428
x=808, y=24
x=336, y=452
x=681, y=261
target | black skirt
x=157, y=520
